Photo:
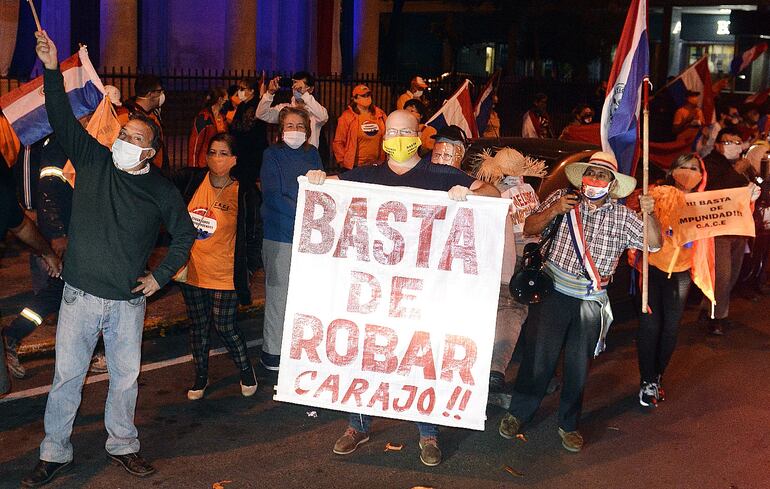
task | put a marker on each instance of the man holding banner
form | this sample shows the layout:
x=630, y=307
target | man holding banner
x=594, y=232
x=725, y=168
x=414, y=302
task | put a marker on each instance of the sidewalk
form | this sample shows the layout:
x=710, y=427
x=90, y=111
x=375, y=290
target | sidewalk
x=165, y=309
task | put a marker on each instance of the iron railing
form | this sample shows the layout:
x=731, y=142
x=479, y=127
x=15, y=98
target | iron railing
x=186, y=89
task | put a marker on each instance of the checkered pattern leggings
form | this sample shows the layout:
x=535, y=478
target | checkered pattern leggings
x=207, y=306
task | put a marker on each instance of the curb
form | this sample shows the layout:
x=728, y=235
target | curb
x=153, y=328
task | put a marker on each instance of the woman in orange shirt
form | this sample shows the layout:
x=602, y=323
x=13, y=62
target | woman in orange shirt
x=358, y=140
x=223, y=259
x=656, y=338
x=209, y=122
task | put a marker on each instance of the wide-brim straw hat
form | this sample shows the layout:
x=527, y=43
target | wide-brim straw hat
x=601, y=159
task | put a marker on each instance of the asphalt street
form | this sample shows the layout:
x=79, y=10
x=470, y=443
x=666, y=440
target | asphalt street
x=712, y=432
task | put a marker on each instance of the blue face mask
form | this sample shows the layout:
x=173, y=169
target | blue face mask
x=297, y=95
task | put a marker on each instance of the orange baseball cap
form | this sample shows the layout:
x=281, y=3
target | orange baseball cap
x=361, y=90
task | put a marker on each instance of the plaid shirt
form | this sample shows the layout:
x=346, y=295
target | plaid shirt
x=608, y=230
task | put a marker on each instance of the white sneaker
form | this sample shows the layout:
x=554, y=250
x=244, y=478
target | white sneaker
x=198, y=389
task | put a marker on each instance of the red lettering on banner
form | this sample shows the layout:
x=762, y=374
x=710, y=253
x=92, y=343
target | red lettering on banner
x=397, y=296
x=462, y=365
x=356, y=389
x=398, y=210
x=313, y=374
x=354, y=296
x=457, y=247
x=419, y=354
x=381, y=395
x=411, y=392
x=355, y=218
x=428, y=214
x=372, y=350
x=299, y=342
x=321, y=224
x=429, y=396
x=351, y=345
x=331, y=385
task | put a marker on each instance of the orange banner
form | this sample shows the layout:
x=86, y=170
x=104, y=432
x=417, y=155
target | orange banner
x=715, y=213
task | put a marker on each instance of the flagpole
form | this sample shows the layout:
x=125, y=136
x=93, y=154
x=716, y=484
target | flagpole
x=645, y=184
x=34, y=15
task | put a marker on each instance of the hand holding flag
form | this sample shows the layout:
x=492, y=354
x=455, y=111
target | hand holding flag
x=46, y=50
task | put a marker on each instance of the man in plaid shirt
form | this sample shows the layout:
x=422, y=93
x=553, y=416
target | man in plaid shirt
x=577, y=314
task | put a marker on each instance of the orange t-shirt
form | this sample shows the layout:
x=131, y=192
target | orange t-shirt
x=370, y=134
x=212, y=257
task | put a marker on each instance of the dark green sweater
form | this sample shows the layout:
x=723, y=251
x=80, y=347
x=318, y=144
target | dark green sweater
x=116, y=216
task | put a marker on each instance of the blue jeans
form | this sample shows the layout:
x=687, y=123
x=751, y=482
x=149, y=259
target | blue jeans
x=81, y=317
x=362, y=422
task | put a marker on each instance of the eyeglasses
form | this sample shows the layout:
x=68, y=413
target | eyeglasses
x=729, y=143
x=400, y=132
x=364, y=95
x=444, y=156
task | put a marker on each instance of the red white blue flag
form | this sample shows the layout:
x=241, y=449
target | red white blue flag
x=24, y=107
x=743, y=61
x=620, y=113
x=483, y=107
x=458, y=111
x=696, y=78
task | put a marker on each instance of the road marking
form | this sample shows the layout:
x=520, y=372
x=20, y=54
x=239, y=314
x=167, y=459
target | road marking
x=149, y=367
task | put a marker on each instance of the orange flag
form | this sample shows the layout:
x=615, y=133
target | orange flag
x=9, y=142
x=103, y=126
x=703, y=270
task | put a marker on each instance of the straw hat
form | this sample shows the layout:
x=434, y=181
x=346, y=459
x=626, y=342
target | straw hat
x=601, y=159
x=507, y=162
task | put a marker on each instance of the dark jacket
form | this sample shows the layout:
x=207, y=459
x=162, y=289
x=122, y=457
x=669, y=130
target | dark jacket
x=248, y=237
x=54, y=194
x=250, y=135
x=721, y=173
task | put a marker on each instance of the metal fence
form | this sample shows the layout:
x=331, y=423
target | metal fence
x=186, y=89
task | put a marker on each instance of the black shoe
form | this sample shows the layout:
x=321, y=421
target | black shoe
x=496, y=382
x=44, y=472
x=133, y=463
x=716, y=327
x=270, y=362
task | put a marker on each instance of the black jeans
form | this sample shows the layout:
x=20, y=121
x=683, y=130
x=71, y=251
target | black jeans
x=559, y=321
x=656, y=338
x=46, y=301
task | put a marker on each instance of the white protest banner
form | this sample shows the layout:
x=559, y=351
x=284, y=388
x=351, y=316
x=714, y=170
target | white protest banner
x=715, y=213
x=392, y=302
x=524, y=201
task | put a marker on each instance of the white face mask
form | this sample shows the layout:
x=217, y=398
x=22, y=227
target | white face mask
x=241, y=94
x=732, y=152
x=126, y=155
x=161, y=99
x=417, y=94
x=595, y=193
x=294, y=139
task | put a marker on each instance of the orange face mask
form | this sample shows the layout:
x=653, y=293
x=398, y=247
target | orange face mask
x=686, y=177
x=220, y=165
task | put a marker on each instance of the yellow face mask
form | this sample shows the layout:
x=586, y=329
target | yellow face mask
x=401, y=148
